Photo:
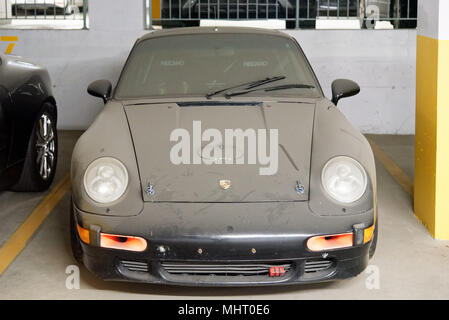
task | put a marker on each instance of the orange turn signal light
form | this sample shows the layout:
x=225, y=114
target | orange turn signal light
x=84, y=234
x=329, y=242
x=113, y=241
x=338, y=241
x=368, y=234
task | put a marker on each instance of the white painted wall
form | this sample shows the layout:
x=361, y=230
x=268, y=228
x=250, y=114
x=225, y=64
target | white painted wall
x=432, y=19
x=382, y=61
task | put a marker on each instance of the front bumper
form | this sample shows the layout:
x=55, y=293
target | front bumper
x=232, y=235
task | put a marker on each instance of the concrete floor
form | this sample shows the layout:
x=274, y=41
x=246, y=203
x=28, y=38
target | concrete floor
x=411, y=264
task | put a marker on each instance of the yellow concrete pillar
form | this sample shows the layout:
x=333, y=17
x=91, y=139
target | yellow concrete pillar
x=156, y=7
x=431, y=191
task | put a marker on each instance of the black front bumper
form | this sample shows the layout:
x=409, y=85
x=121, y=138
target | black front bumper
x=120, y=266
x=185, y=234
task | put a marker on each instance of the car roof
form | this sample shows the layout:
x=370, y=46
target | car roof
x=210, y=30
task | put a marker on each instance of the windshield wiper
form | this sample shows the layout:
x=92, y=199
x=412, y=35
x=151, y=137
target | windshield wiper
x=249, y=85
x=268, y=89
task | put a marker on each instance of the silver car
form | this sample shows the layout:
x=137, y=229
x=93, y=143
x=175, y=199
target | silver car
x=218, y=161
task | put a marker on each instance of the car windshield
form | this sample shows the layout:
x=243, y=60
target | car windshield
x=192, y=65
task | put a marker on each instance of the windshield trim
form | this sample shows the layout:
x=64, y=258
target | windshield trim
x=202, y=99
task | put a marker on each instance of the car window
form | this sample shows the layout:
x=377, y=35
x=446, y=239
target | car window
x=199, y=64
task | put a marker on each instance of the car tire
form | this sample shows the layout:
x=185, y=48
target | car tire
x=372, y=248
x=42, y=154
x=75, y=241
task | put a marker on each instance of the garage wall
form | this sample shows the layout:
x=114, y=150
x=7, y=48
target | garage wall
x=382, y=62
x=75, y=58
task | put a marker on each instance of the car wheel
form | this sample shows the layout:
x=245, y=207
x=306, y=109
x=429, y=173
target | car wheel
x=372, y=248
x=42, y=155
x=75, y=241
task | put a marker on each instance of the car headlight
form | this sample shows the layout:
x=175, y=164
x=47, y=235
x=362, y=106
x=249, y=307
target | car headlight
x=105, y=180
x=344, y=179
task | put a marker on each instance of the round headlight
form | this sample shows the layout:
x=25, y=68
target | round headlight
x=344, y=179
x=105, y=180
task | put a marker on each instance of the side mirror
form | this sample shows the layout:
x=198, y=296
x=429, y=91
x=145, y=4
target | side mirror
x=100, y=89
x=342, y=88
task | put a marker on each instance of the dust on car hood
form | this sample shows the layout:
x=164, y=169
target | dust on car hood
x=152, y=124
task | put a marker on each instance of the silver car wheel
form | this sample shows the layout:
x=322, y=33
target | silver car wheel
x=45, y=147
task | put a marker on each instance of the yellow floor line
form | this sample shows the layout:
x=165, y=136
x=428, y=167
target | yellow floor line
x=400, y=176
x=19, y=239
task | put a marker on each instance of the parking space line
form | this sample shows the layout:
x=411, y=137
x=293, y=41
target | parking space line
x=18, y=241
x=395, y=171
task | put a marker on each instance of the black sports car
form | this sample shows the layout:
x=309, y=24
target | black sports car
x=28, y=137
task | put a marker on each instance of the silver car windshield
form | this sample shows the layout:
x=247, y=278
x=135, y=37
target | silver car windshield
x=192, y=65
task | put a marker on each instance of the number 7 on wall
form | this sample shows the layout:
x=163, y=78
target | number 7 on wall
x=11, y=40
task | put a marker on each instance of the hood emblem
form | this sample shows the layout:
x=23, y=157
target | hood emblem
x=225, y=184
x=300, y=189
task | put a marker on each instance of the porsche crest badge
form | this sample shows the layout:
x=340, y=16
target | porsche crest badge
x=225, y=184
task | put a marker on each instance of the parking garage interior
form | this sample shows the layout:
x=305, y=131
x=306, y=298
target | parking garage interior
x=401, y=67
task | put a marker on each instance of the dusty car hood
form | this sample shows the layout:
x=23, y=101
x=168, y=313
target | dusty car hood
x=152, y=124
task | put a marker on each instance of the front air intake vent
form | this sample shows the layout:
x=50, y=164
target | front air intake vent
x=135, y=266
x=219, y=104
x=222, y=269
x=313, y=266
